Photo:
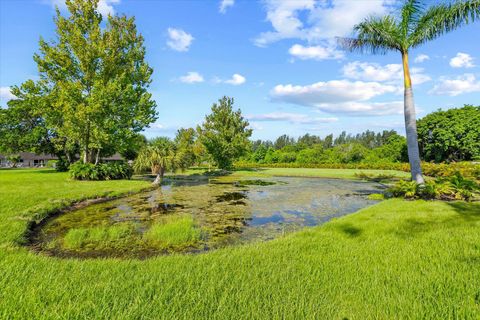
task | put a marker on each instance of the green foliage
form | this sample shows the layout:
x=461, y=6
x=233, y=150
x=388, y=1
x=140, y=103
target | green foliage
x=92, y=94
x=14, y=159
x=22, y=126
x=466, y=169
x=376, y=196
x=187, y=144
x=414, y=25
x=310, y=150
x=377, y=177
x=102, y=171
x=225, y=133
x=62, y=165
x=404, y=188
x=160, y=155
x=455, y=187
x=451, y=135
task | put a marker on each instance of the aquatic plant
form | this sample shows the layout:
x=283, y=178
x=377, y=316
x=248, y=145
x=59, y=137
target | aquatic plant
x=173, y=232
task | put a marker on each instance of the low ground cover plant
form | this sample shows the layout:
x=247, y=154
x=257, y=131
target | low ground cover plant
x=456, y=187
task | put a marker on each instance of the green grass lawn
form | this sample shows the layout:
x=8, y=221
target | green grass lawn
x=395, y=260
x=322, y=173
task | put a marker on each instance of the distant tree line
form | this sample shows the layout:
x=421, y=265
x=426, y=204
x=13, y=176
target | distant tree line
x=386, y=146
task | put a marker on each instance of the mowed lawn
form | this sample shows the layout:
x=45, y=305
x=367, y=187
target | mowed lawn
x=395, y=260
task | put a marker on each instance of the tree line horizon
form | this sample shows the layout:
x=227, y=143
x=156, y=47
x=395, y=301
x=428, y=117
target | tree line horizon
x=92, y=98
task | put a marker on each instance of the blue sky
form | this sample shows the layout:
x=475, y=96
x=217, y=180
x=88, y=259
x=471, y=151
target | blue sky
x=277, y=58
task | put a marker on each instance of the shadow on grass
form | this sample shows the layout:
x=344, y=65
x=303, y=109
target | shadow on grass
x=350, y=230
x=467, y=213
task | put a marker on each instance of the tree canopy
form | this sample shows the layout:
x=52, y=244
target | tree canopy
x=451, y=135
x=225, y=133
x=92, y=94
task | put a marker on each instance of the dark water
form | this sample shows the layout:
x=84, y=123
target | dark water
x=222, y=213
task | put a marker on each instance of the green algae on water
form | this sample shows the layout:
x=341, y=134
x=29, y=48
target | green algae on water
x=191, y=216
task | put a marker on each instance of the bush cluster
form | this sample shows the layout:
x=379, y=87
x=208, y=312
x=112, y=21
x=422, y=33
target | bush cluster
x=102, y=171
x=455, y=187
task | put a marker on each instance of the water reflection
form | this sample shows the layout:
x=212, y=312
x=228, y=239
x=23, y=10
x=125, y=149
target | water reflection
x=226, y=213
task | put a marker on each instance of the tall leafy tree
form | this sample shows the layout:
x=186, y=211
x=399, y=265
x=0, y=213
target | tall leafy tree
x=92, y=91
x=225, y=133
x=185, y=142
x=451, y=135
x=414, y=26
x=22, y=126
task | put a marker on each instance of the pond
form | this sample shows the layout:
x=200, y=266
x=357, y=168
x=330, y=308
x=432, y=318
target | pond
x=189, y=216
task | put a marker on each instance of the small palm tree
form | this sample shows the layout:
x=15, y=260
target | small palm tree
x=160, y=155
x=414, y=26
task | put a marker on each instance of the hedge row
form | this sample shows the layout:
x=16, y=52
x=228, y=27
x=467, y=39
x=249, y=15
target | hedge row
x=466, y=169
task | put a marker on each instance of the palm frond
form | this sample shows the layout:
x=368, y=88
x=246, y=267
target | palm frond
x=411, y=12
x=442, y=18
x=374, y=35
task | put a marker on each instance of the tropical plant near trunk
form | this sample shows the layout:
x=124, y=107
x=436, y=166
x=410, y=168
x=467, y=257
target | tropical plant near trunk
x=160, y=155
x=414, y=26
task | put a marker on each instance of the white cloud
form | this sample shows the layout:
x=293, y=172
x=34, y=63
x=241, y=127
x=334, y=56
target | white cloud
x=157, y=125
x=367, y=108
x=421, y=58
x=323, y=20
x=255, y=125
x=191, y=77
x=179, y=39
x=387, y=73
x=340, y=97
x=462, y=60
x=333, y=91
x=315, y=52
x=224, y=4
x=453, y=87
x=237, y=79
x=105, y=7
x=6, y=94
x=295, y=118
x=372, y=71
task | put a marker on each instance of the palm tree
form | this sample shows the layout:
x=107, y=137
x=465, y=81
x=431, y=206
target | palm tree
x=160, y=155
x=414, y=26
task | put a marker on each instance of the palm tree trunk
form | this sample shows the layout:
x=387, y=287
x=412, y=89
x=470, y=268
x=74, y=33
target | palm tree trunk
x=411, y=125
x=159, y=177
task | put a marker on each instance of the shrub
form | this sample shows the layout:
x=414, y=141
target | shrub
x=59, y=165
x=455, y=187
x=103, y=171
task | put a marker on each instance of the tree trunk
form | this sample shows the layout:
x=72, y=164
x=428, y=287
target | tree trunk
x=85, y=155
x=411, y=125
x=159, y=177
x=97, y=156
